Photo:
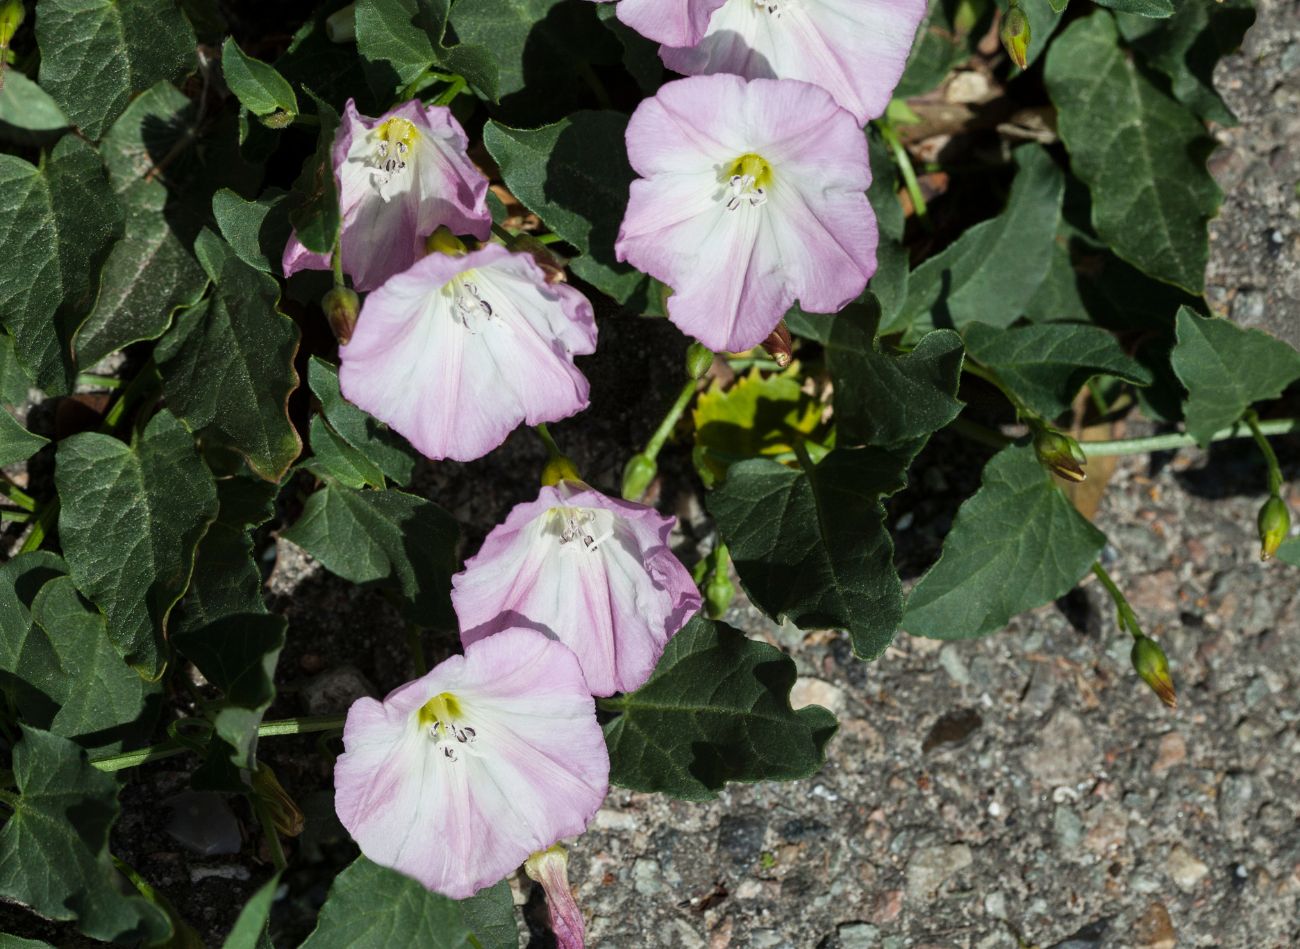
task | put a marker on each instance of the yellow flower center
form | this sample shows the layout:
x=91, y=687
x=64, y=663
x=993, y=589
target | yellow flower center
x=398, y=132
x=443, y=709
x=751, y=166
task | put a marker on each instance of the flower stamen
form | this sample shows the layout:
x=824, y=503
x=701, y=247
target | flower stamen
x=439, y=717
x=748, y=178
x=396, y=138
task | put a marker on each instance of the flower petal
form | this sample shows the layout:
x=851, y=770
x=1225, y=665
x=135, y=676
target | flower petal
x=855, y=49
x=675, y=22
x=615, y=602
x=533, y=768
x=456, y=389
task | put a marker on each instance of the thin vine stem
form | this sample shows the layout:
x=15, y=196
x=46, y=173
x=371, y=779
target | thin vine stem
x=168, y=749
x=671, y=419
x=1133, y=446
x=904, y=162
x=1270, y=457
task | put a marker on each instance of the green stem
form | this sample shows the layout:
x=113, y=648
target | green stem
x=45, y=519
x=17, y=495
x=544, y=433
x=18, y=517
x=268, y=830
x=100, y=382
x=904, y=162
x=167, y=749
x=458, y=85
x=1127, y=618
x=1274, y=469
x=670, y=420
x=549, y=239
x=336, y=262
x=1139, y=446
x=980, y=433
x=801, y=453
x=9, y=798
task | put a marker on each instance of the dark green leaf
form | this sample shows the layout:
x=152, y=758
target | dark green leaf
x=314, y=200
x=332, y=70
x=257, y=85
x=574, y=175
x=884, y=398
x=255, y=230
x=97, y=54
x=16, y=443
x=408, y=913
x=14, y=381
x=889, y=283
x=388, y=452
x=1146, y=8
x=1225, y=369
x=716, y=709
x=227, y=364
x=25, y=105
x=812, y=545
x=640, y=55
x=226, y=577
x=491, y=917
x=1016, y=544
x=1188, y=45
x=130, y=520
x=237, y=654
x=333, y=459
x=1045, y=365
x=69, y=659
x=399, y=39
x=57, y=224
x=992, y=271
x=1141, y=153
x=250, y=929
x=370, y=536
x=54, y=847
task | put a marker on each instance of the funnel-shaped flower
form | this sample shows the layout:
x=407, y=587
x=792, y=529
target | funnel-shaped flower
x=550, y=868
x=400, y=177
x=854, y=49
x=455, y=778
x=591, y=571
x=458, y=350
x=752, y=194
x=672, y=22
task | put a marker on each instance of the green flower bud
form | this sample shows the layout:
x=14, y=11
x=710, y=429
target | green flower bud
x=640, y=471
x=719, y=591
x=1150, y=662
x=699, y=359
x=1015, y=36
x=12, y=14
x=341, y=307
x=1060, y=454
x=285, y=813
x=443, y=241
x=1274, y=525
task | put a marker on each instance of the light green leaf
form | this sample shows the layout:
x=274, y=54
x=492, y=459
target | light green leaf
x=371, y=438
x=333, y=459
x=992, y=271
x=408, y=914
x=257, y=85
x=1289, y=552
x=812, y=545
x=57, y=224
x=392, y=536
x=237, y=654
x=575, y=176
x=314, y=199
x=227, y=364
x=97, y=54
x=1226, y=369
x=25, y=105
x=130, y=519
x=883, y=398
x=1141, y=153
x=1187, y=46
x=716, y=709
x=1146, y=8
x=1047, y=364
x=16, y=443
x=255, y=230
x=1017, y=543
x=250, y=929
x=54, y=847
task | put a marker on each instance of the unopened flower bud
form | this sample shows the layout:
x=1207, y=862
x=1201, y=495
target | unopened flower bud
x=443, y=241
x=341, y=25
x=1015, y=35
x=699, y=359
x=12, y=14
x=552, y=264
x=283, y=810
x=719, y=591
x=637, y=475
x=1150, y=662
x=550, y=868
x=341, y=306
x=1274, y=525
x=779, y=345
x=1060, y=454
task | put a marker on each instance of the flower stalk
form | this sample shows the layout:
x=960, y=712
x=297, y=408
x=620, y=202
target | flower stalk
x=1148, y=658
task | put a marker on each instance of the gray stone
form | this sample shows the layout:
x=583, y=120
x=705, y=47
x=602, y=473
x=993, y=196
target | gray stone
x=1063, y=752
x=335, y=690
x=930, y=868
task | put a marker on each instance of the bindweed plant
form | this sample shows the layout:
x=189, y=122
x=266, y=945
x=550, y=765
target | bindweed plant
x=265, y=268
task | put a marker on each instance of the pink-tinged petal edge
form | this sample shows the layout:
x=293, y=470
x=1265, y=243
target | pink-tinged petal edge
x=672, y=22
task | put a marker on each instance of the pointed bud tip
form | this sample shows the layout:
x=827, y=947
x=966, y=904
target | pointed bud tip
x=342, y=307
x=780, y=345
x=1152, y=665
x=550, y=868
x=12, y=14
x=699, y=360
x=1060, y=454
x=1274, y=526
x=1015, y=36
